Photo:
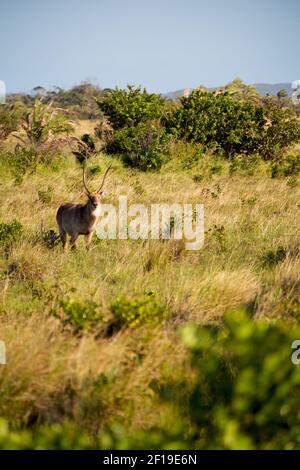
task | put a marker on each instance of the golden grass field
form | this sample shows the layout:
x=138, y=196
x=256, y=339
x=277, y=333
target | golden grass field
x=52, y=374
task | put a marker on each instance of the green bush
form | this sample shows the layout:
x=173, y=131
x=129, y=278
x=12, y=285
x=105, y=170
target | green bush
x=46, y=196
x=246, y=394
x=216, y=121
x=10, y=116
x=137, y=311
x=281, y=129
x=22, y=161
x=287, y=166
x=248, y=165
x=234, y=127
x=82, y=317
x=10, y=233
x=58, y=436
x=272, y=258
x=143, y=146
x=42, y=124
x=130, y=106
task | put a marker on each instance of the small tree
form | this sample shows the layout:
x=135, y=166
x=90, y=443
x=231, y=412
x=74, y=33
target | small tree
x=42, y=126
x=142, y=146
x=130, y=106
x=9, y=119
x=281, y=129
x=239, y=90
x=234, y=126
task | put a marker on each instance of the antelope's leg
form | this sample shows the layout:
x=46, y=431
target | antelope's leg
x=63, y=238
x=88, y=239
x=73, y=241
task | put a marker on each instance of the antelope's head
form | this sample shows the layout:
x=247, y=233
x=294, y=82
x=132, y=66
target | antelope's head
x=94, y=198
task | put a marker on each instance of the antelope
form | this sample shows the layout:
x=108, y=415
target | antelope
x=80, y=219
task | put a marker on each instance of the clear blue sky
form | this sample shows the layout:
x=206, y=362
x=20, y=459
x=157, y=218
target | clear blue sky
x=162, y=44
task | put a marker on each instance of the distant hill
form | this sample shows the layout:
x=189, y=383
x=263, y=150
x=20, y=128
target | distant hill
x=273, y=89
x=173, y=95
x=262, y=88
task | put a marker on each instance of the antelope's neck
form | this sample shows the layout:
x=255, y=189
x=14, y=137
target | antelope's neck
x=94, y=212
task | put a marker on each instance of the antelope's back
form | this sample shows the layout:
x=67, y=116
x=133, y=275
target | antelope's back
x=69, y=215
x=64, y=209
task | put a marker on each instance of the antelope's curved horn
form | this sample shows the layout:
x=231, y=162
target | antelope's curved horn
x=84, y=181
x=103, y=180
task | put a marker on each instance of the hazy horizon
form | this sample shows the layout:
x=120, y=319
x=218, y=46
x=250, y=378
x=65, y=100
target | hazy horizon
x=164, y=46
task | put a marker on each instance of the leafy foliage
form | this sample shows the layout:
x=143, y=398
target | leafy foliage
x=65, y=436
x=272, y=258
x=142, y=146
x=137, y=311
x=130, y=106
x=246, y=395
x=80, y=316
x=286, y=166
x=10, y=115
x=216, y=120
x=10, y=232
x=238, y=90
x=220, y=121
x=42, y=125
x=46, y=196
x=281, y=129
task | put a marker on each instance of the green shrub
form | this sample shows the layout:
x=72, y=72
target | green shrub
x=246, y=395
x=216, y=121
x=286, y=166
x=272, y=258
x=130, y=106
x=247, y=165
x=10, y=116
x=281, y=129
x=223, y=123
x=46, y=196
x=82, y=317
x=10, y=233
x=24, y=160
x=43, y=122
x=42, y=125
x=143, y=146
x=292, y=182
x=186, y=155
x=56, y=437
x=137, y=311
